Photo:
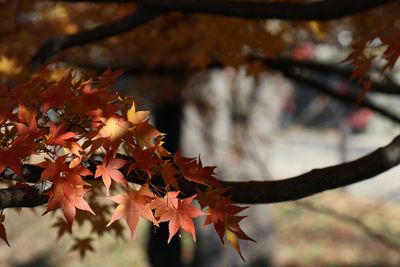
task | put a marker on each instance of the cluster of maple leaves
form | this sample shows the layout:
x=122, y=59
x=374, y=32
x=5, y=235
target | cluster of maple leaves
x=83, y=132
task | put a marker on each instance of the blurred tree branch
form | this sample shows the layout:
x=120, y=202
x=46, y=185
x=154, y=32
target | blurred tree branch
x=150, y=9
x=57, y=44
x=385, y=239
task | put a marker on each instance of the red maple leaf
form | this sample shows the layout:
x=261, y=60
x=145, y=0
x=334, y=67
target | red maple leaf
x=169, y=173
x=13, y=156
x=57, y=94
x=222, y=214
x=145, y=160
x=132, y=205
x=108, y=171
x=58, y=136
x=178, y=212
x=26, y=124
x=192, y=169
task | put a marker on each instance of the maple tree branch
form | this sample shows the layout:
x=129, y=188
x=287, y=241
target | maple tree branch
x=317, y=180
x=21, y=197
x=124, y=24
x=256, y=192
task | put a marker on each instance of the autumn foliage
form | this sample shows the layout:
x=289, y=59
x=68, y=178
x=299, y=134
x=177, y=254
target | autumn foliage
x=83, y=133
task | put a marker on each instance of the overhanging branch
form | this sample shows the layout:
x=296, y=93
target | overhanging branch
x=262, y=192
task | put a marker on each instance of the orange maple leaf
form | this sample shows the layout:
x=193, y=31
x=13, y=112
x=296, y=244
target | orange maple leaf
x=108, y=171
x=136, y=117
x=144, y=134
x=132, y=205
x=178, y=212
x=69, y=197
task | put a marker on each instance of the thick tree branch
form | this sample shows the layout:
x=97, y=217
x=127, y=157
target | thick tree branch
x=21, y=197
x=259, y=192
x=317, y=180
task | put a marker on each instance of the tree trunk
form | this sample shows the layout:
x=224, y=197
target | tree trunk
x=161, y=254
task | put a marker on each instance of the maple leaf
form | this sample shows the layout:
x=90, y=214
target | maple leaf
x=108, y=171
x=109, y=77
x=222, y=214
x=219, y=213
x=58, y=136
x=68, y=197
x=144, y=134
x=111, y=133
x=168, y=173
x=12, y=157
x=178, y=212
x=234, y=233
x=145, y=159
x=137, y=117
x=192, y=169
x=52, y=170
x=114, y=129
x=82, y=246
x=57, y=94
x=132, y=205
x=27, y=122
